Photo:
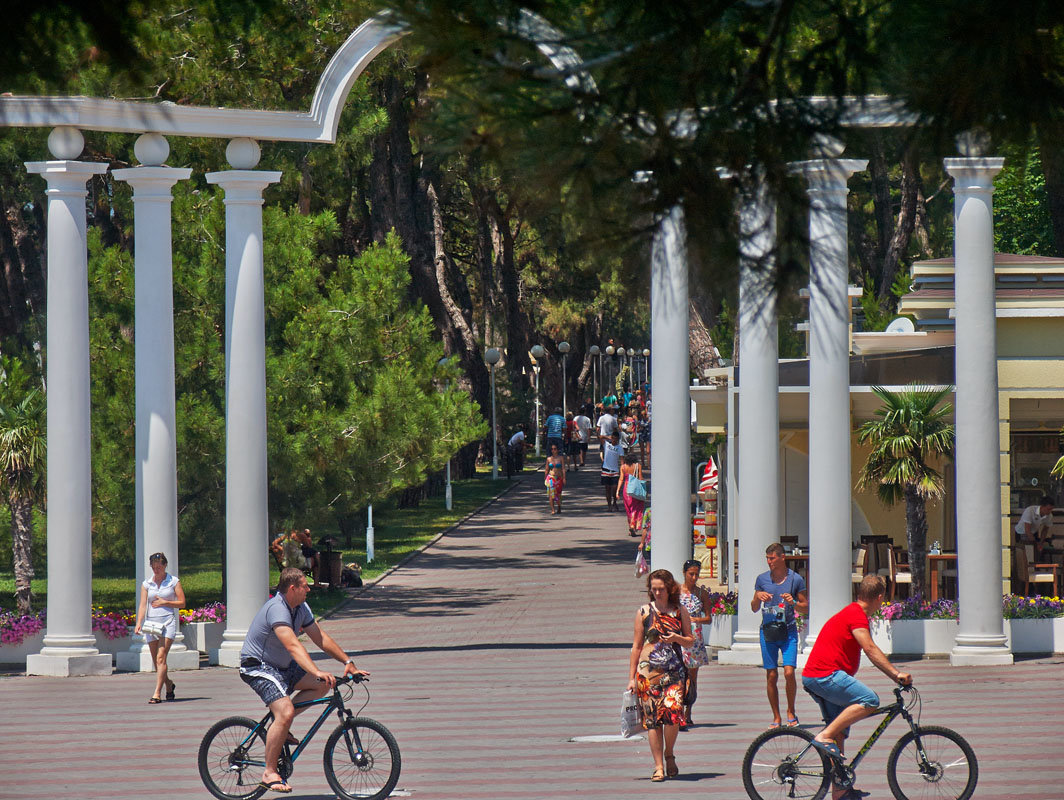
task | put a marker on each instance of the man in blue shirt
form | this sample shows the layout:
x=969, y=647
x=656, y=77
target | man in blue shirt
x=556, y=430
x=779, y=593
x=274, y=663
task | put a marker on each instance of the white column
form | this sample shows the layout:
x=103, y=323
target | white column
x=829, y=390
x=758, y=507
x=670, y=458
x=156, y=447
x=69, y=644
x=981, y=638
x=246, y=522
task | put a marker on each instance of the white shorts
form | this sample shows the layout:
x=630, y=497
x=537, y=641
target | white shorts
x=169, y=632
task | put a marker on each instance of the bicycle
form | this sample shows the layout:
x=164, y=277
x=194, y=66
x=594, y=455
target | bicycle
x=361, y=756
x=927, y=761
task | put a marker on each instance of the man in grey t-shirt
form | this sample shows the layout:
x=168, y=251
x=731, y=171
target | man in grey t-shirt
x=274, y=663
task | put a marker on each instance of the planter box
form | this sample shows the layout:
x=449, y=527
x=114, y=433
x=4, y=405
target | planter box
x=203, y=636
x=719, y=631
x=928, y=637
x=16, y=653
x=1036, y=635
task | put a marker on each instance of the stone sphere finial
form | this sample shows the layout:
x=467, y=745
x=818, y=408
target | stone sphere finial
x=151, y=149
x=973, y=143
x=243, y=153
x=65, y=143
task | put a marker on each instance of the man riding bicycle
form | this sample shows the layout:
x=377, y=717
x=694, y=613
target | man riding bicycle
x=274, y=663
x=829, y=673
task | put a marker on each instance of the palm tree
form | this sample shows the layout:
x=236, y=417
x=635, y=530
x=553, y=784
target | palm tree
x=910, y=428
x=22, y=461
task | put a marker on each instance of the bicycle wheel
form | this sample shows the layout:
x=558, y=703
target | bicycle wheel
x=949, y=771
x=229, y=770
x=368, y=769
x=780, y=763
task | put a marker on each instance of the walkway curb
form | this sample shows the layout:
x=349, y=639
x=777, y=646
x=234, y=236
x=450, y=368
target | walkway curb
x=410, y=556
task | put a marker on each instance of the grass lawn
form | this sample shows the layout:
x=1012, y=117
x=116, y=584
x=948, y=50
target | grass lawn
x=397, y=533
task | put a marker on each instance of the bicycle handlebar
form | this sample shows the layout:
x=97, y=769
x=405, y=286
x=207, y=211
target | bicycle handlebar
x=352, y=678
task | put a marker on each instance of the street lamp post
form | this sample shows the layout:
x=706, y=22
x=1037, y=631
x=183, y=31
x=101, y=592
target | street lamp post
x=448, y=498
x=563, y=348
x=631, y=367
x=595, y=358
x=646, y=366
x=491, y=358
x=537, y=353
x=609, y=360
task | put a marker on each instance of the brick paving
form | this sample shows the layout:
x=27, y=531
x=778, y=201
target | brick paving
x=490, y=651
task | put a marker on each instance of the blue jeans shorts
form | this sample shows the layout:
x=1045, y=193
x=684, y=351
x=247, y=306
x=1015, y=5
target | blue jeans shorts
x=837, y=691
x=770, y=650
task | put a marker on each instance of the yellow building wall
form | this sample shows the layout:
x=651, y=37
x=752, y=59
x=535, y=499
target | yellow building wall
x=1030, y=337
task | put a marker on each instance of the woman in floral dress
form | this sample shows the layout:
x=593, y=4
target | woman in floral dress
x=656, y=671
x=695, y=599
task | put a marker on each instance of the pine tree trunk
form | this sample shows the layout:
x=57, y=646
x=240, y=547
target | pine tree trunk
x=22, y=550
x=916, y=531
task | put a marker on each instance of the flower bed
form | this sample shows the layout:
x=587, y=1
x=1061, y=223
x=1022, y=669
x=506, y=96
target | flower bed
x=212, y=612
x=107, y=624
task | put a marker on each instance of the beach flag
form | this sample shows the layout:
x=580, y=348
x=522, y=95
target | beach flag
x=710, y=478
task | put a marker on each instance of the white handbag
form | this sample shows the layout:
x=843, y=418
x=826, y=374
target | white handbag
x=152, y=627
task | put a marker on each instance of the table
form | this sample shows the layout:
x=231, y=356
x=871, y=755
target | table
x=799, y=563
x=935, y=563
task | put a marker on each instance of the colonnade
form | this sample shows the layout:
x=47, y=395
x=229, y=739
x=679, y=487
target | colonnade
x=69, y=644
x=981, y=638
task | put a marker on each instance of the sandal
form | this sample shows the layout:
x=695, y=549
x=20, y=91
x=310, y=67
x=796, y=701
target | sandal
x=829, y=748
x=792, y=722
x=670, y=766
x=772, y=726
x=275, y=786
x=170, y=691
x=154, y=700
x=658, y=776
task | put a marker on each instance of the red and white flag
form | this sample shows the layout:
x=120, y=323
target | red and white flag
x=709, y=478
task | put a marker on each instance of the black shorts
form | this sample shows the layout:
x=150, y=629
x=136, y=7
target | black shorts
x=579, y=447
x=610, y=480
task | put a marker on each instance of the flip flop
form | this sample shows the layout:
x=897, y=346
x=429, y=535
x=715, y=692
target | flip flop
x=792, y=722
x=658, y=776
x=154, y=700
x=170, y=691
x=830, y=748
x=276, y=786
x=773, y=725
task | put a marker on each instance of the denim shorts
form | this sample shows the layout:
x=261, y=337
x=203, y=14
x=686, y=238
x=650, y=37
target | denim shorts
x=837, y=691
x=269, y=682
x=770, y=650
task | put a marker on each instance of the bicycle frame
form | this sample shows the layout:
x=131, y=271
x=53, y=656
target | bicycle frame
x=892, y=712
x=331, y=702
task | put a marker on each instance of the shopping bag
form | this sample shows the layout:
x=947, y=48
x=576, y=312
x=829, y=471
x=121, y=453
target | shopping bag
x=636, y=488
x=630, y=716
x=641, y=566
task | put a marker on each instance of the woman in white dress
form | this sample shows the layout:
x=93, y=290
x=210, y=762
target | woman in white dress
x=161, y=596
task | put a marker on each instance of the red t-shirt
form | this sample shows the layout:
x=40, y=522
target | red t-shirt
x=835, y=648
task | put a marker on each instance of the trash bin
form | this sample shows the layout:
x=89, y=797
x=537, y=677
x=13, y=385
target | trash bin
x=333, y=566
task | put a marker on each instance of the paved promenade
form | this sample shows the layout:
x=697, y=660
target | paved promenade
x=490, y=652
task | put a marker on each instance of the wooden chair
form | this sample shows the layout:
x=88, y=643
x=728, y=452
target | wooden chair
x=894, y=572
x=1028, y=572
x=859, y=567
